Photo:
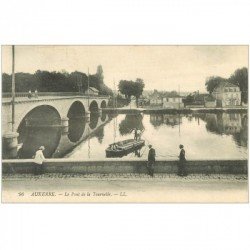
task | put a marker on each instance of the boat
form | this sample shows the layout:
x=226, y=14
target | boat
x=122, y=148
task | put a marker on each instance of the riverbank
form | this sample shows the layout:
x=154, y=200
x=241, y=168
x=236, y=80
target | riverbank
x=149, y=110
x=115, y=166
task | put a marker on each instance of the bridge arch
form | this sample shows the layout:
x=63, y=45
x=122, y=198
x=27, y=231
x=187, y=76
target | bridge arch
x=76, y=110
x=42, y=115
x=40, y=126
x=93, y=107
x=103, y=104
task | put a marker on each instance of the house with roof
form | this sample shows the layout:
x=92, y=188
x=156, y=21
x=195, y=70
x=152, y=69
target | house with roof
x=172, y=101
x=227, y=95
x=155, y=98
x=92, y=91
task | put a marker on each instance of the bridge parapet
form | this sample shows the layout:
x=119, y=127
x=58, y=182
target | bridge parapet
x=6, y=101
x=73, y=94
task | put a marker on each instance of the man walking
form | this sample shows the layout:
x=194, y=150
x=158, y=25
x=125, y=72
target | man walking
x=151, y=161
x=38, y=160
x=182, y=162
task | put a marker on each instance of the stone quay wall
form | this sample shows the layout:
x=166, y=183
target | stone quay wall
x=67, y=166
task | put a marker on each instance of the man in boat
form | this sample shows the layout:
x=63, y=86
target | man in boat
x=182, y=171
x=151, y=160
x=114, y=146
x=135, y=134
x=139, y=132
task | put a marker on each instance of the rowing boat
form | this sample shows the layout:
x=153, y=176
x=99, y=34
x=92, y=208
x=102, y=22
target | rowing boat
x=122, y=148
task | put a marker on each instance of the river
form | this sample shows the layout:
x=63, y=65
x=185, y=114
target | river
x=204, y=136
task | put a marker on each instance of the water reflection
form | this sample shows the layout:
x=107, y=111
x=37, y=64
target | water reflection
x=58, y=141
x=93, y=120
x=103, y=116
x=100, y=134
x=168, y=119
x=130, y=122
x=207, y=135
x=32, y=138
x=234, y=124
x=76, y=129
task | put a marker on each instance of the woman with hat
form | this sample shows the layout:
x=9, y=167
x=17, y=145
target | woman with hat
x=38, y=160
x=182, y=162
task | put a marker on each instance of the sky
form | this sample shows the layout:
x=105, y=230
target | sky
x=161, y=67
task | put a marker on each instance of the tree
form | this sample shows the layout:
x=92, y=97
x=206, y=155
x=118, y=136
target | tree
x=130, y=122
x=45, y=81
x=240, y=78
x=125, y=88
x=138, y=89
x=99, y=82
x=212, y=82
x=6, y=82
x=189, y=99
x=131, y=88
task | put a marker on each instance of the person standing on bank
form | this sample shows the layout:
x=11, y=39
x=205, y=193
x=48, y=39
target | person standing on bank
x=182, y=162
x=29, y=94
x=151, y=161
x=36, y=94
x=38, y=160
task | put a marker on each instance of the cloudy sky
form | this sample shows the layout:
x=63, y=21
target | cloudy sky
x=161, y=67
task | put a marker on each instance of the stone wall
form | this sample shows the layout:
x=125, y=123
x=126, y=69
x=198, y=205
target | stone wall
x=125, y=166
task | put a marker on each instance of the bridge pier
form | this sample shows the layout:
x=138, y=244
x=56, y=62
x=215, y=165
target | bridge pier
x=100, y=111
x=10, y=144
x=87, y=116
x=65, y=122
x=65, y=125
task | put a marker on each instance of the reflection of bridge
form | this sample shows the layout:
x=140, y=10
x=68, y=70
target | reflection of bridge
x=52, y=110
x=66, y=144
x=58, y=141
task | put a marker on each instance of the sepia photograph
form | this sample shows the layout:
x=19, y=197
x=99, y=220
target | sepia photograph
x=124, y=124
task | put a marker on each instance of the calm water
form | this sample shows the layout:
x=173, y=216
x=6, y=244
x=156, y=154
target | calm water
x=205, y=136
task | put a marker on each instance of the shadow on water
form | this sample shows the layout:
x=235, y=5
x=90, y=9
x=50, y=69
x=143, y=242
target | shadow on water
x=33, y=137
x=76, y=129
x=103, y=116
x=130, y=122
x=94, y=117
x=165, y=119
x=235, y=124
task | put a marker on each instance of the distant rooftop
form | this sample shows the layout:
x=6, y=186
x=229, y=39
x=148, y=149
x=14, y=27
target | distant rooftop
x=94, y=89
x=225, y=84
x=209, y=98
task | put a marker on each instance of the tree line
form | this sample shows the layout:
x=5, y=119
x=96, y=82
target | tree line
x=239, y=78
x=45, y=81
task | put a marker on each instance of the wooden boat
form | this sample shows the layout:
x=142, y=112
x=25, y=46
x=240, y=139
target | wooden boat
x=122, y=148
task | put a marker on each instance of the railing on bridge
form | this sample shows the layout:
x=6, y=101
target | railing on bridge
x=25, y=94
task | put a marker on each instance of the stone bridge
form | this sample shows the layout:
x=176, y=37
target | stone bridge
x=46, y=110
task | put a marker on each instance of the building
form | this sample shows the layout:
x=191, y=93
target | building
x=209, y=102
x=92, y=91
x=227, y=95
x=172, y=101
x=156, y=99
